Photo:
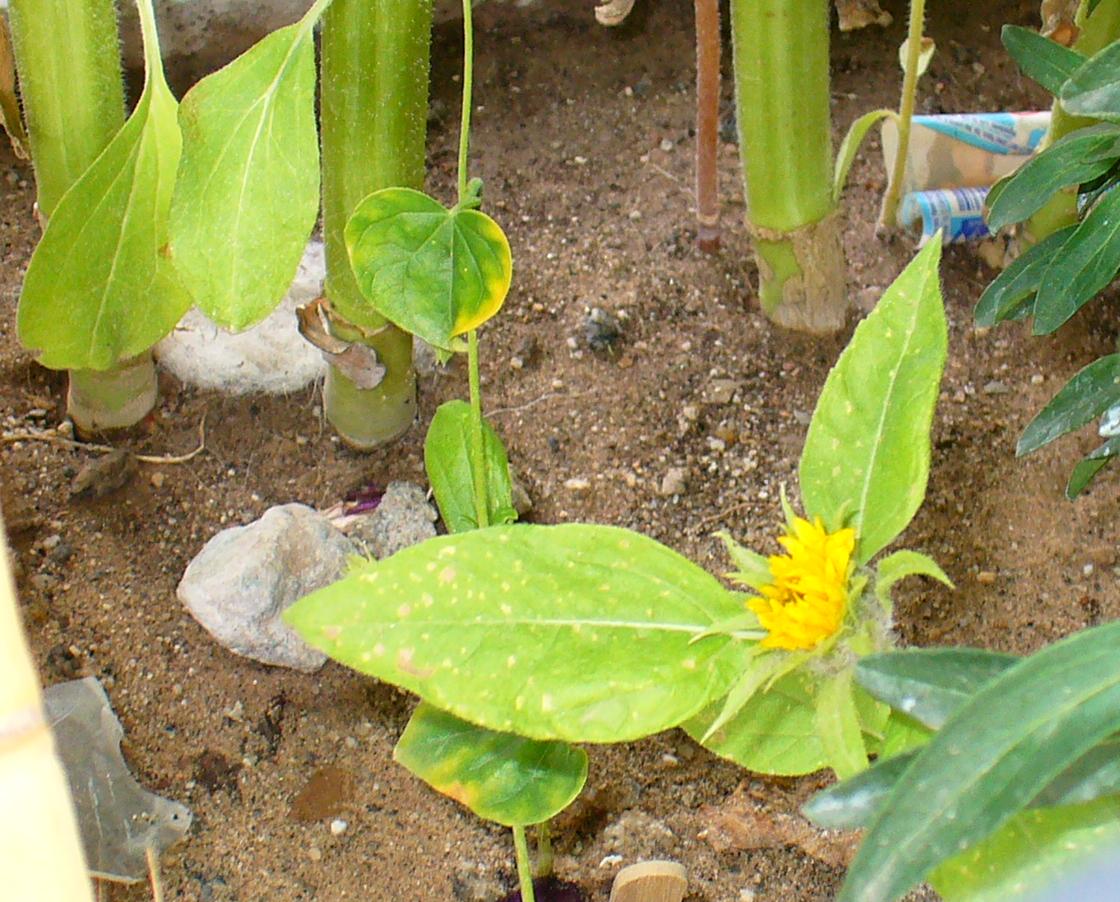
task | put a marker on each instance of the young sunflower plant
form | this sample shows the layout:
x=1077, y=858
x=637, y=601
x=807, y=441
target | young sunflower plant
x=586, y=633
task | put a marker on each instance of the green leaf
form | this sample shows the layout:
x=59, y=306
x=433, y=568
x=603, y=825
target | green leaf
x=1041, y=59
x=754, y=568
x=436, y=273
x=100, y=287
x=929, y=684
x=901, y=564
x=447, y=460
x=499, y=776
x=1078, y=157
x=1094, y=89
x=1003, y=298
x=989, y=760
x=849, y=147
x=573, y=632
x=838, y=725
x=1090, y=465
x=902, y=734
x=1031, y=853
x=868, y=445
x=1081, y=400
x=774, y=733
x=248, y=190
x=1084, y=265
x=1094, y=775
x=854, y=803
x=762, y=669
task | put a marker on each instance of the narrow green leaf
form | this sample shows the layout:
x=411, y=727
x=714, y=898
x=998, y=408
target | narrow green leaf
x=1078, y=157
x=1094, y=775
x=1041, y=59
x=1090, y=465
x=436, y=273
x=1094, y=89
x=1030, y=855
x=1084, y=265
x=868, y=448
x=849, y=147
x=837, y=724
x=929, y=684
x=1081, y=400
x=1003, y=298
x=248, y=189
x=989, y=760
x=774, y=733
x=100, y=287
x=854, y=803
x=901, y=564
x=501, y=777
x=447, y=460
x=573, y=632
x=754, y=568
x=760, y=671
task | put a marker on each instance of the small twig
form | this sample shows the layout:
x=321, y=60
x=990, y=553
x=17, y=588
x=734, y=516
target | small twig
x=54, y=439
x=153, y=873
x=534, y=402
x=723, y=513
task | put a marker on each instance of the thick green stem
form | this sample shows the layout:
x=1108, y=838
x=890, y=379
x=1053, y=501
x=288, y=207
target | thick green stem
x=374, y=110
x=544, y=851
x=67, y=53
x=524, y=867
x=103, y=400
x=785, y=142
x=1097, y=31
x=888, y=215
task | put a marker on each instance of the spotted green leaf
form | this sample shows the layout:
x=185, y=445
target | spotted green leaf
x=447, y=460
x=501, y=777
x=436, y=273
x=248, y=189
x=574, y=632
x=100, y=287
x=866, y=457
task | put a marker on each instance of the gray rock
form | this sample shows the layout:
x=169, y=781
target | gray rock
x=240, y=583
x=404, y=517
x=674, y=482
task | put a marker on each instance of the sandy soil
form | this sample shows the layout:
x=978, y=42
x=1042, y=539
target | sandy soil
x=583, y=138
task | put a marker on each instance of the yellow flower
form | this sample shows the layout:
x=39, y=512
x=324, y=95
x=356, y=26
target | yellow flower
x=806, y=601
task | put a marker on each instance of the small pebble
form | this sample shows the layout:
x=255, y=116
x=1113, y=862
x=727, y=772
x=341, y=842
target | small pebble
x=986, y=578
x=674, y=482
x=1037, y=379
x=157, y=479
x=315, y=853
x=666, y=145
x=338, y=826
x=609, y=861
x=577, y=484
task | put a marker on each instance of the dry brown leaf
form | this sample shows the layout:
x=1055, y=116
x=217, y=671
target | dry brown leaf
x=741, y=824
x=1059, y=21
x=861, y=13
x=10, y=117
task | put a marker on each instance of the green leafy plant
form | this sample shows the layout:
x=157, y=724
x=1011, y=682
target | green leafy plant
x=1019, y=786
x=585, y=633
x=248, y=189
x=100, y=290
x=1056, y=277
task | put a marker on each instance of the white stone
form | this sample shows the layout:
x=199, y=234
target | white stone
x=272, y=357
x=243, y=579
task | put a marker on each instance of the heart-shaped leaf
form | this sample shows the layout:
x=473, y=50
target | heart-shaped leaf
x=436, y=273
x=501, y=777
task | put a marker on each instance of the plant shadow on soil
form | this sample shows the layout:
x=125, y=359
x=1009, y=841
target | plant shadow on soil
x=570, y=138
